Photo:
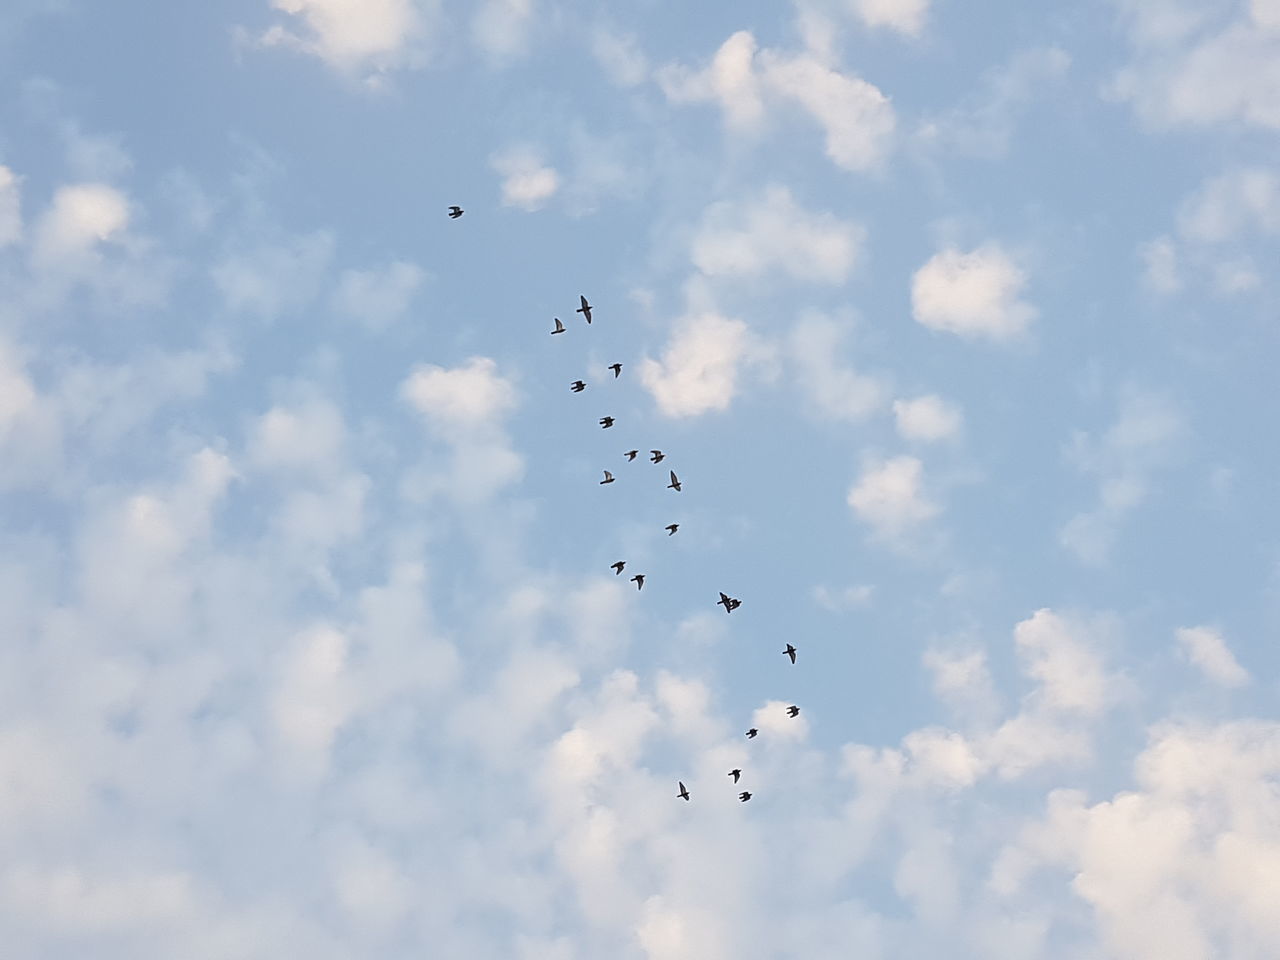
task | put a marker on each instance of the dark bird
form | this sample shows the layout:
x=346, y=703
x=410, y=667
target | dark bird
x=577, y=386
x=585, y=309
x=631, y=455
x=744, y=796
x=793, y=711
x=638, y=580
x=617, y=567
x=735, y=774
x=455, y=213
x=608, y=477
x=672, y=528
x=606, y=422
x=683, y=794
x=658, y=456
x=559, y=327
x=751, y=734
x=790, y=652
x=727, y=602
x=675, y=483
x=734, y=605
x=617, y=370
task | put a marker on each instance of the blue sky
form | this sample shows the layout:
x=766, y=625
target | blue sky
x=957, y=322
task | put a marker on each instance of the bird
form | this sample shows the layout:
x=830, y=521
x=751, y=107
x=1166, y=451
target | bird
x=675, y=483
x=793, y=711
x=734, y=605
x=455, y=212
x=577, y=386
x=727, y=602
x=631, y=455
x=735, y=773
x=744, y=796
x=606, y=422
x=617, y=567
x=658, y=456
x=751, y=734
x=617, y=370
x=608, y=478
x=638, y=580
x=683, y=794
x=790, y=652
x=585, y=309
x=671, y=529
x=559, y=327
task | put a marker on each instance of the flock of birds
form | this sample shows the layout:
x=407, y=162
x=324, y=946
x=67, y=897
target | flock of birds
x=729, y=603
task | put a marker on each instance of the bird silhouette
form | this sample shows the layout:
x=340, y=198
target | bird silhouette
x=751, y=734
x=675, y=483
x=671, y=529
x=744, y=796
x=559, y=327
x=734, y=605
x=577, y=386
x=617, y=567
x=790, y=652
x=793, y=711
x=455, y=212
x=631, y=455
x=606, y=422
x=683, y=794
x=735, y=773
x=638, y=580
x=608, y=477
x=585, y=309
x=728, y=602
x=617, y=370
x=658, y=456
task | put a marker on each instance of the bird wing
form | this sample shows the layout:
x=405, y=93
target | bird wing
x=585, y=305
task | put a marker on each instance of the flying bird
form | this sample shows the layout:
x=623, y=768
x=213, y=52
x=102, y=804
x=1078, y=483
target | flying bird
x=638, y=580
x=617, y=370
x=683, y=794
x=631, y=455
x=606, y=422
x=734, y=605
x=577, y=386
x=751, y=734
x=617, y=567
x=559, y=327
x=790, y=652
x=675, y=483
x=744, y=796
x=658, y=456
x=727, y=602
x=735, y=773
x=455, y=212
x=793, y=711
x=608, y=477
x=671, y=529
x=585, y=309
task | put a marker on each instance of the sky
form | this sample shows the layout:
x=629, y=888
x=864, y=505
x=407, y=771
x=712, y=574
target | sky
x=957, y=321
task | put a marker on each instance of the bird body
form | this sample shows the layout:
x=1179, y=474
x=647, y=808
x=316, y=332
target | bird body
x=751, y=734
x=585, y=309
x=606, y=422
x=658, y=456
x=675, y=483
x=728, y=602
x=683, y=794
x=744, y=796
x=638, y=580
x=735, y=774
x=559, y=327
x=577, y=386
x=617, y=370
x=790, y=652
x=617, y=567
x=671, y=529
x=608, y=477
x=631, y=455
x=793, y=711
x=455, y=212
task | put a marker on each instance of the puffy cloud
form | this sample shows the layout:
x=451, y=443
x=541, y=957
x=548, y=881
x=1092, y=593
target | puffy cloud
x=730, y=79
x=378, y=297
x=1229, y=204
x=904, y=16
x=355, y=34
x=10, y=208
x=527, y=182
x=928, y=418
x=974, y=294
x=698, y=371
x=1208, y=651
x=749, y=239
x=1054, y=652
x=460, y=398
x=309, y=437
x=79, y=218
x=889, y=496
x=312, y=699
x=835, y=392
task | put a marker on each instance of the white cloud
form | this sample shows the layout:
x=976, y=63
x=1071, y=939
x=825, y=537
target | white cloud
x=889, y=496
x=698, y=372
x=748, y=239
x=904, y=16
x=834, y=391
x=1230, y=204
x=79, y=218
x=927, y=419
x=730, y=79
x=1208, y=651
x=464, y=398
x=620, y=56
x=501, y=27
x=1054, y=652
x=10, y=208
x=527, y=182
x=974, y=294
x=1161, y=273
x=308, y=438
x=378, y=297
x=354, y=35
x=312, y=699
